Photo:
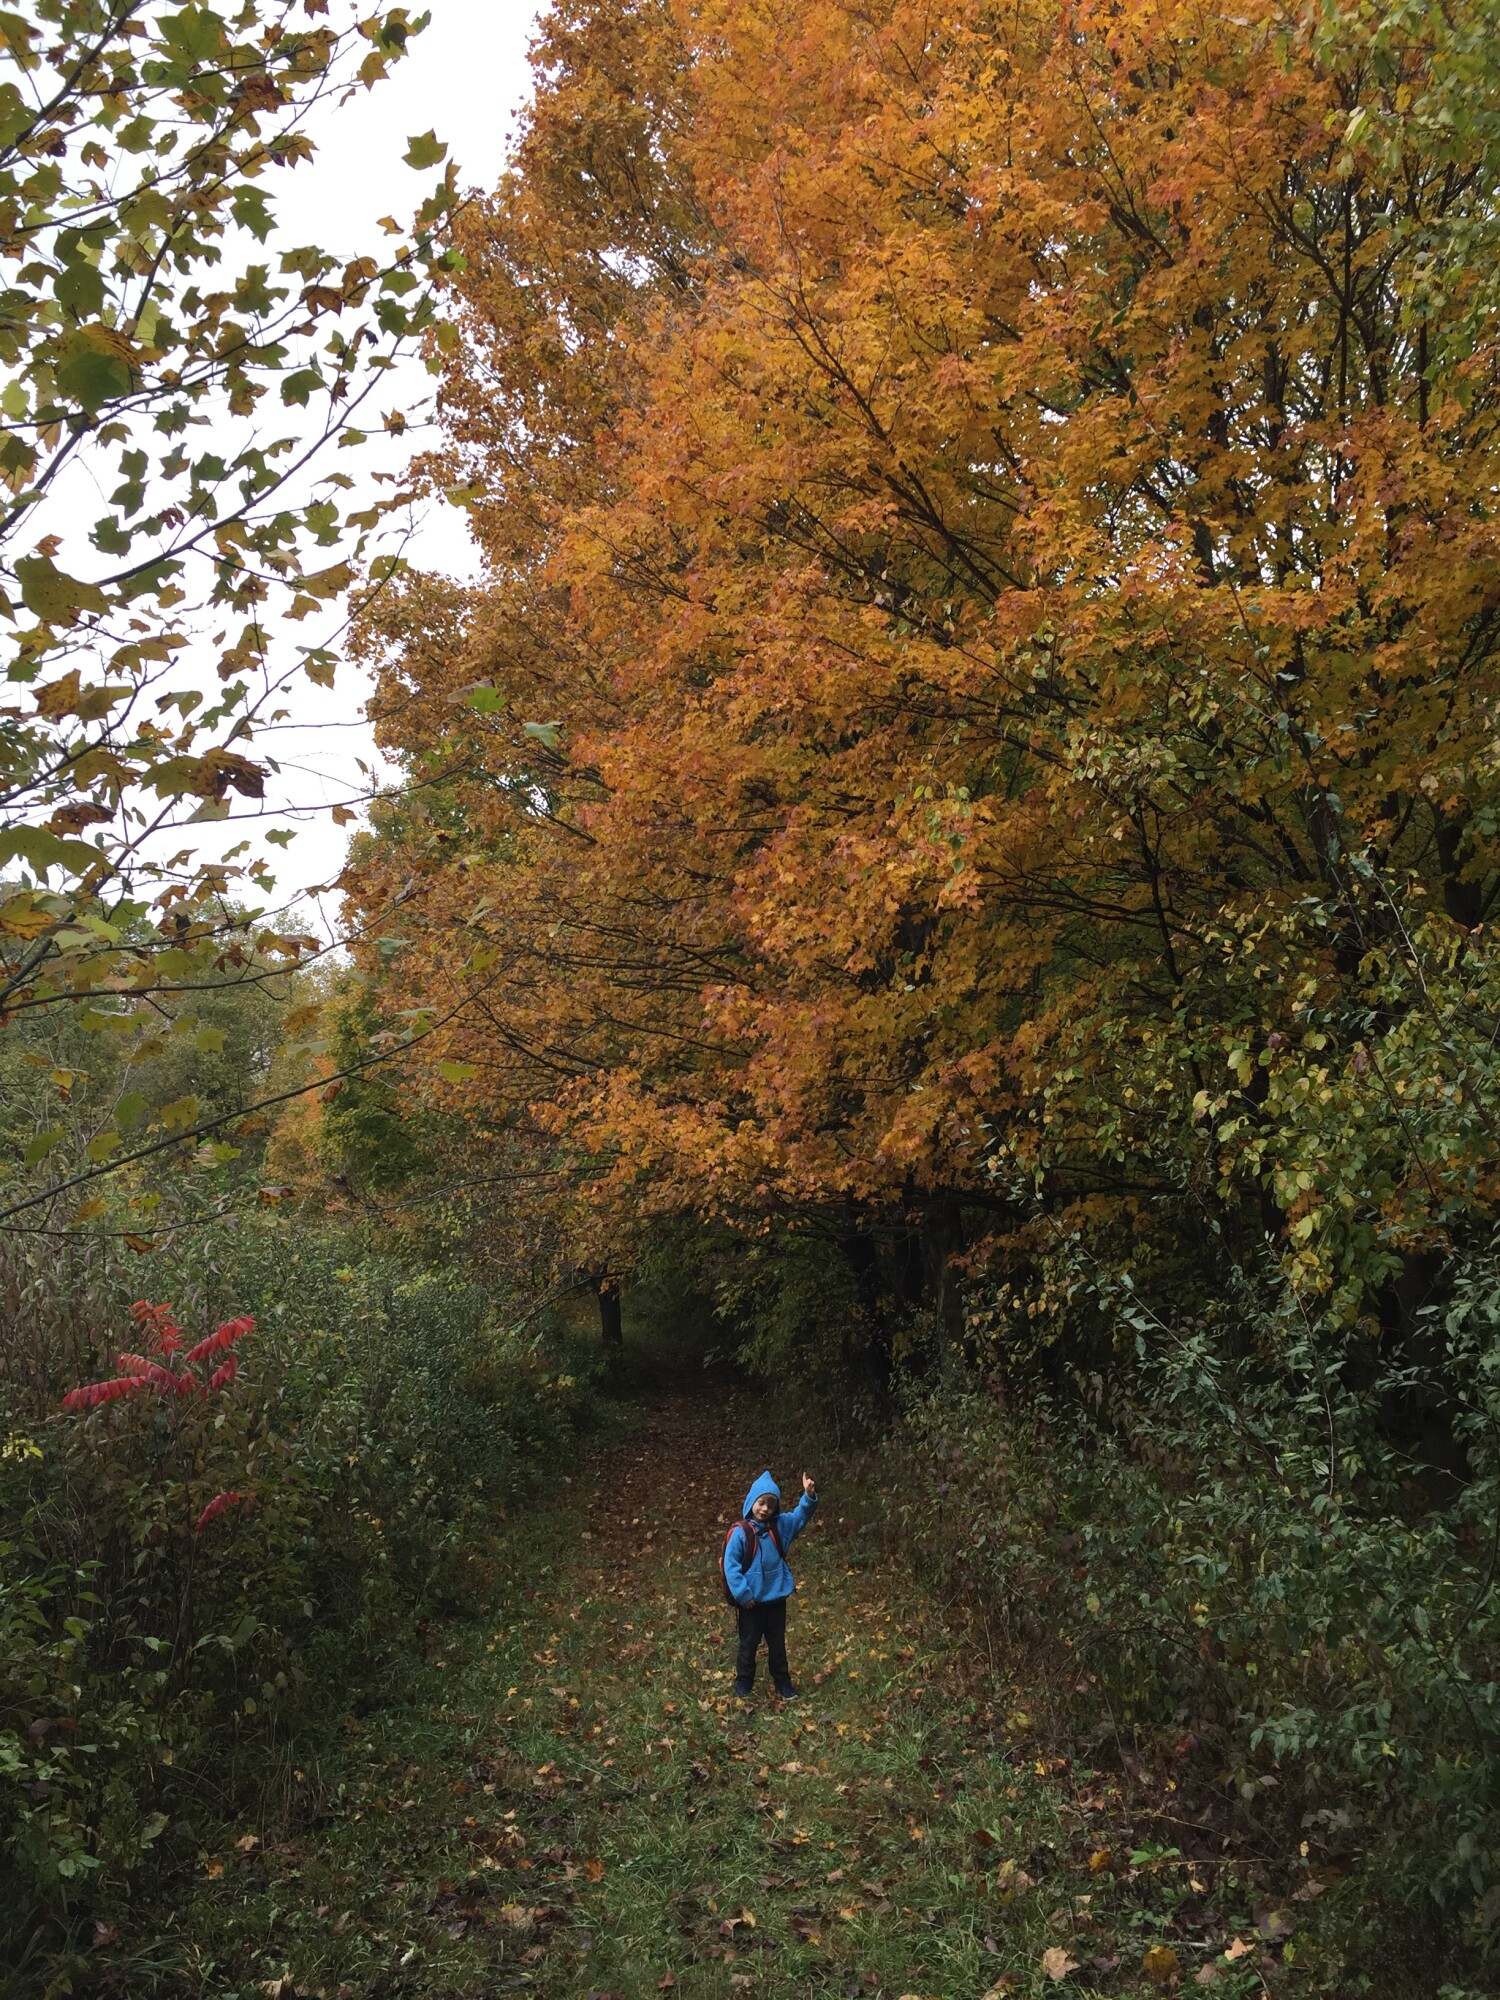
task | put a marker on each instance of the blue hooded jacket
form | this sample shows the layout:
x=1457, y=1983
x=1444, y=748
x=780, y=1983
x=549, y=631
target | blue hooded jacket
x=758, y=1575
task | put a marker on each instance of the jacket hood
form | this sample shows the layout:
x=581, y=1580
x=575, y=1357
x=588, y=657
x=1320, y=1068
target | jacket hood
x=764, y=1485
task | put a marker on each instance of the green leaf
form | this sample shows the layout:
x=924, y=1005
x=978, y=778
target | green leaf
x=95, y=365
x=79, y=289
x=424, y=150
x=457, y=1072
x=300, y=385
x=196, y=32
x=42, y=850
x=40, y=1145
x=18, y=35
x=50, y=594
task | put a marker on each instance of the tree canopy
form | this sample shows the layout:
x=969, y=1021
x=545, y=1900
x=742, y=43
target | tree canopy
x=978, y=723
x=174, y=375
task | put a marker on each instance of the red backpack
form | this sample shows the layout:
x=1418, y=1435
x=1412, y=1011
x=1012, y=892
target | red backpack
x=756, y=1529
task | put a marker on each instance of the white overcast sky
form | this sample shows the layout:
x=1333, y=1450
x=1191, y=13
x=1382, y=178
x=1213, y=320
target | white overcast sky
x=466, y=78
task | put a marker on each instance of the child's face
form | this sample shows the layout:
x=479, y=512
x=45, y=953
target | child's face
x=764, y=1507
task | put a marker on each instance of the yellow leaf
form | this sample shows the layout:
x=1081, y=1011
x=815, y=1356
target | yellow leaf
x=55, y=597
x=1160, y=1963
x=22, y=918
x=1057, y=1964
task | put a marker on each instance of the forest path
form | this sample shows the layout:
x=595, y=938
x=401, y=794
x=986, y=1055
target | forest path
x=565, y=1799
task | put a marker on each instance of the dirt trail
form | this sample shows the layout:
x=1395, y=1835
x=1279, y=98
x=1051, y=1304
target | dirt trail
x=568, y=1800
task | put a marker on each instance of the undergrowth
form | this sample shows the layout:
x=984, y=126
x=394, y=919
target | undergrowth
x=559, y=1795
x=161, y=1659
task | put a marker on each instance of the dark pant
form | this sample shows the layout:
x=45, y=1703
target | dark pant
x=768, y=1622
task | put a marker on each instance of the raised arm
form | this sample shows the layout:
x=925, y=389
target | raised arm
x=793, y=1523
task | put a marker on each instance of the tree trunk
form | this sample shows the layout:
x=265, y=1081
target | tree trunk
x=611, y=1328
x=942, y=1241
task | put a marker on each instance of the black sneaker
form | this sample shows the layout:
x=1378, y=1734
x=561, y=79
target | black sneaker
x=787, y=1692
x=743, y=1691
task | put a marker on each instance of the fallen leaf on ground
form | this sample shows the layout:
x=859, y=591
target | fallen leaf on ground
x=1011, y=1879
x=594, y=1869
x=1160, y=1963
x=1057, y=1964
x=1237, y=1949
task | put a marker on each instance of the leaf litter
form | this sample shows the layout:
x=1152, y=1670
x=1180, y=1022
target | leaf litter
x=569, y=1803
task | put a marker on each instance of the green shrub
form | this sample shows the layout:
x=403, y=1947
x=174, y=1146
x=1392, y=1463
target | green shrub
x=793, y=1311
x=154, y=1662
x=1247, y=1564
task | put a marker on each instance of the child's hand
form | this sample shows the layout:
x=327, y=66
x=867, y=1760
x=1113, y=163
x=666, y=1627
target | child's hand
x=809, y=1484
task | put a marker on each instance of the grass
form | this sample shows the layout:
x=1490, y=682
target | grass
x=559, y=1795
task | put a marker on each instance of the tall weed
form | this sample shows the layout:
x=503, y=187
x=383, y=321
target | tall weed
x=1242, y=1560
x=156, y=1664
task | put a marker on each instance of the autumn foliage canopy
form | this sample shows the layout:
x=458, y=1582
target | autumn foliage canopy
x=978, y=725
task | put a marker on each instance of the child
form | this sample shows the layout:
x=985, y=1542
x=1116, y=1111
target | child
x=759, y=1581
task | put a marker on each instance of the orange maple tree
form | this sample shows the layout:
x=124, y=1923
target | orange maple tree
x=978, y=722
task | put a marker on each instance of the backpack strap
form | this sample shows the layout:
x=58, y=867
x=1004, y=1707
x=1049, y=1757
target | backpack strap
x=770, y=1529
